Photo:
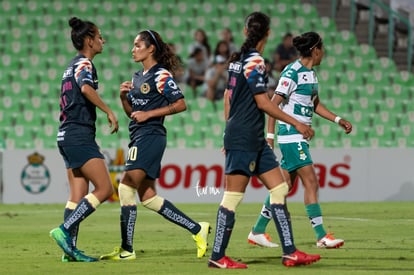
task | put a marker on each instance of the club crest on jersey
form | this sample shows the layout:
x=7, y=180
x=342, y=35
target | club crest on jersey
x=252, y=166
x=145, y=88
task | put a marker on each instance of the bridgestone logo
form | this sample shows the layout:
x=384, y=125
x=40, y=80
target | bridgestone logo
x=130, y=226
x=80, y=211
x=283, y=222
x=221, y=227
x=171, y=215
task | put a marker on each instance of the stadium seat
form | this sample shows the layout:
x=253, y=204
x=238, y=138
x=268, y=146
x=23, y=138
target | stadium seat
x=352, y=79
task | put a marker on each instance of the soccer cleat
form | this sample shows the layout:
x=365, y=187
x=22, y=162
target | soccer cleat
x=201, y=239
x=119, y=254
x=299, y=258
x=63, y=240
x=226, y=262
x=78, y=256
x=66, y=258
x=260, y=240
x=329, y=242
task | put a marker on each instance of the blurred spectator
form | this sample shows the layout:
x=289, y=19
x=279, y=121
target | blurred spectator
x=271, y=81
x=196, y=69
x=179, y=71
x=227, y=35
x=216, y=79
x=285, y=53
x=200, y=41
x=222, y=49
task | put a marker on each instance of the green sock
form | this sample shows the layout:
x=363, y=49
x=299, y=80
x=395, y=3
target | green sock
x=314, y=213
x=264, y=217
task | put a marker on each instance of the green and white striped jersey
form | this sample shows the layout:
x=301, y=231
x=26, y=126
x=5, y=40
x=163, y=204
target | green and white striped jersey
x=299, y=87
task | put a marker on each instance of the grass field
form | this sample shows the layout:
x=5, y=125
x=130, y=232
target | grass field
x=379, y=240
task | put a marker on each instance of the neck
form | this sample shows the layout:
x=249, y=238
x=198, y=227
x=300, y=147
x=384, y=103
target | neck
x=88, y=54
x=148, y=64
x=307, y=62
x=260, y=46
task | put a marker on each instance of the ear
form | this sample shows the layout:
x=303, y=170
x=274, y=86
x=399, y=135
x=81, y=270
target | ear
x=245, y=31
x=89, y=41
x=152, y=48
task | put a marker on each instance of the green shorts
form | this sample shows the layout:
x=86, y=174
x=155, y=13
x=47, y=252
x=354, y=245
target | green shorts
x=295, y=155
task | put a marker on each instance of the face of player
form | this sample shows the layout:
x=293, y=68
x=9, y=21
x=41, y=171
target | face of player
x=97, y=42
x=318, y=55
x=140, y=51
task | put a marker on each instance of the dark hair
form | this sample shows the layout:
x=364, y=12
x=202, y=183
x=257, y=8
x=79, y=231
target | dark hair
x=205, y=41
x=287, y=35
x=231, y=34
x=306, y=42
x=216, y=50
x=196, y=51
x=163, y=54
x=257, y=25
x=80, y=30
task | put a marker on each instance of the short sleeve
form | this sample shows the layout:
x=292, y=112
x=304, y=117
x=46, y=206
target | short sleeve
x=255, y=71
x=167, y=86
x=287, y=83
x=83, y=72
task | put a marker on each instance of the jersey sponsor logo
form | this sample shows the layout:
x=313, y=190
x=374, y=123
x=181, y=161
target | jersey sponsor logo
x=67, y=73
x=171, y=83
x=235, y=67
x=145, y=88
x=303, y=110
x=288, y=73
x=140, y=101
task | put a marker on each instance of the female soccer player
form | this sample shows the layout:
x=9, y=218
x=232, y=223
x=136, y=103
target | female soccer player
x=76, y=137
x=150, y=96
x=297, y=95
x=247, y=153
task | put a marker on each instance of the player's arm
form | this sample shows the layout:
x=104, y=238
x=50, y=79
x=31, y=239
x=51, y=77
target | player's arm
x=271, y=122
x=322, y=111
x=123, y=95
x=264, y=104
x=226, y=102
x=91, y=94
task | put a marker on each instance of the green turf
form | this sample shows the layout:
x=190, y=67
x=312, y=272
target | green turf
x=379, y=240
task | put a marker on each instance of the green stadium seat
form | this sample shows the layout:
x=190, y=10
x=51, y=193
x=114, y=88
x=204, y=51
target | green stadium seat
x=380, y=96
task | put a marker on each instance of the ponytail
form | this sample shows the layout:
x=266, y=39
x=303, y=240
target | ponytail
x=257, y=25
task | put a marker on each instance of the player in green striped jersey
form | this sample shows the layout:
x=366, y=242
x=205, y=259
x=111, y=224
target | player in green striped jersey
x=297, y=95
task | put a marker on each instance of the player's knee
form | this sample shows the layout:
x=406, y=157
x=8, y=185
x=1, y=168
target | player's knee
x=279, y=193
x=231, y=200
x=108, y=191
x=127, y=194
x=155, y=203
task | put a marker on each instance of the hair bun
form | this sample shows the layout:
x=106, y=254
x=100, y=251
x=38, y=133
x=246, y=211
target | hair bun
x=299, y=42
x=75, y=23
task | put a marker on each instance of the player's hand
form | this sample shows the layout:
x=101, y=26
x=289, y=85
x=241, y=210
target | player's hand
x=125, y=88
x=113, y=122
x=140, y=116
x=271, y=142
x=346, y=125
x=306, y=131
